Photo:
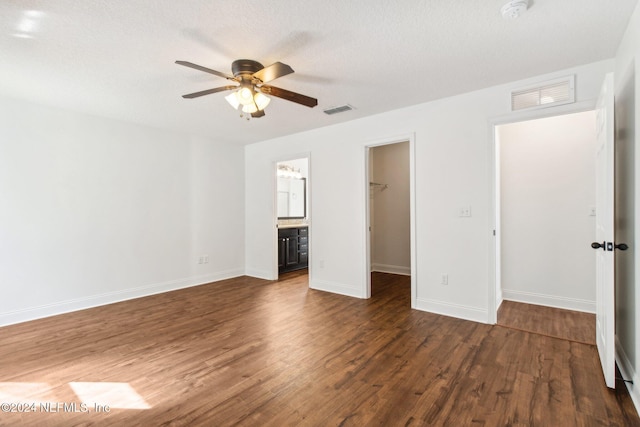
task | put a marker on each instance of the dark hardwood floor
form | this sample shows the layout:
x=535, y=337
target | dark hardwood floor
x=554, y=322
x=251, y=352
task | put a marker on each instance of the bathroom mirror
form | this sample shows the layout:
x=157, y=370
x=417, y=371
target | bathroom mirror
x=292, y=197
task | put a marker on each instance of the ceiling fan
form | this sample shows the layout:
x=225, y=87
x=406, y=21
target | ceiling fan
x=249, y=95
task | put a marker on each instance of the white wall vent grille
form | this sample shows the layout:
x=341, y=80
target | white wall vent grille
x=546, y=94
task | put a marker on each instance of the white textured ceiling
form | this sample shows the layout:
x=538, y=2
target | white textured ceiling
x=115, y=58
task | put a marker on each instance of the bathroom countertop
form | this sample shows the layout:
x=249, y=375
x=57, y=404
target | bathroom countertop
x=292, y=225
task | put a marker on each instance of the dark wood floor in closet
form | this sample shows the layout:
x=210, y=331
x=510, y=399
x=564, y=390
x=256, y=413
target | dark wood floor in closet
x=257, y=353
x=554, y=322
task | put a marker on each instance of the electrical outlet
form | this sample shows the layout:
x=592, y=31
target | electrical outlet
x=206, y=259
x=592, y=211
x=200, y=260
x=465, y=211
x=444, y=279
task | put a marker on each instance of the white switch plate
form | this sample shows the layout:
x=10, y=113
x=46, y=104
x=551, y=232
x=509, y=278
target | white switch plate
x=592, y=211
x=444, y=279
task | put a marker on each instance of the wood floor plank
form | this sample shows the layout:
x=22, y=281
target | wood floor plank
x=250, y=352
x=555, y=322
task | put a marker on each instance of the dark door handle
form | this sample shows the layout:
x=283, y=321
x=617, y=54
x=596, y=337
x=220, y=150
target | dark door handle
x=596, y=245
x=622, y=246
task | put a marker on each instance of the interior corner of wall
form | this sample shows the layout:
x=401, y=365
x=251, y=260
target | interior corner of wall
x=628, y=373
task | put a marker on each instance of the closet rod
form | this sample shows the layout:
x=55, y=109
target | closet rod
x=384, y=186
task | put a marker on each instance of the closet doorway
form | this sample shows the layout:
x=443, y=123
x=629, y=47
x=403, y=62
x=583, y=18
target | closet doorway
x=545, y=194
x=390, y=217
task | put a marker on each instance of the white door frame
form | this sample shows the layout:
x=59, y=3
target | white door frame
x=495, y=285
x=274, y=178
x=410, y=138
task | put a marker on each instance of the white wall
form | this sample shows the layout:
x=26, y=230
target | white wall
x=627, y=84
x=390, y=214
x=94, y=211
x=453, y=163
x=548, y=187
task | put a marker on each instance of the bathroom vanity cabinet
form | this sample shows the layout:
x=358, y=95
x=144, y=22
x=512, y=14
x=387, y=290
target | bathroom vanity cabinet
x=293, y=248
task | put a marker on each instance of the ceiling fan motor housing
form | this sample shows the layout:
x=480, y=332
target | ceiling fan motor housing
x=242, y=67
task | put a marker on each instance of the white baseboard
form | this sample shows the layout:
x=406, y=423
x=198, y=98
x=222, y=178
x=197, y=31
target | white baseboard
x=628, y=373
x=452, y=310
x=393, y=269
x=260, y=274
x=574, y=304
x=336, y=288
x=61, y=307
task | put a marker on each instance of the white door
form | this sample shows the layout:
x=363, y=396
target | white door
x=605, y=326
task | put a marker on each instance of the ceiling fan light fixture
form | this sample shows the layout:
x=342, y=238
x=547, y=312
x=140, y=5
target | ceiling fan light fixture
x=257, y=103
x=245, y=96
x=232, y=99
x=261, y=100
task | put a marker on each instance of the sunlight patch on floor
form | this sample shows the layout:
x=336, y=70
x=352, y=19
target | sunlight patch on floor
x=19, y=392
x=114, y=395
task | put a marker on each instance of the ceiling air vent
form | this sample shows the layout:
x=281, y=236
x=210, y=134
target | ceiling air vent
x=546, y=94
x=339, y=109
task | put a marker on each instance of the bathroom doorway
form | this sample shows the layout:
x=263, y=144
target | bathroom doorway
x=292, y=215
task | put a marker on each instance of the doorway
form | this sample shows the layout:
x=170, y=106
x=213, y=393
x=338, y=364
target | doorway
x=545, y=212
x=292, y=216
x=390, y=218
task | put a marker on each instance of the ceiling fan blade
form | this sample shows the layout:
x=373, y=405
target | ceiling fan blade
x=273, y=72
x=205, y=69
x=259, y=113
x=289, y=96
x=209, y=91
